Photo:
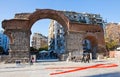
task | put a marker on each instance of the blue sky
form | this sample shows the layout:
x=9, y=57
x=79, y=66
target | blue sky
x=109, y=9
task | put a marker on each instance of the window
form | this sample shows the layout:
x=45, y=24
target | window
x=58, y=31
x=75, y=16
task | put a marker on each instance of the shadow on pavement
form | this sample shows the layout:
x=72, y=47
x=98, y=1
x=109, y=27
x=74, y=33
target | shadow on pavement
x=115, y=74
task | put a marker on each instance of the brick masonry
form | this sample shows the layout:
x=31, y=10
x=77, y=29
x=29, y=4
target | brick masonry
x=19, y=30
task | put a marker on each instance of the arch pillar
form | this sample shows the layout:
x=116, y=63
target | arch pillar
x=19, y=40
x=19, y=48
x=73, y=44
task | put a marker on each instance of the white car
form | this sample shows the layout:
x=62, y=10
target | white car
x=118, y=49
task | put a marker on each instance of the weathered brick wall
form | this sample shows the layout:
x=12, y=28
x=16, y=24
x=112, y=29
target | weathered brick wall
x=23, y=22
x=95, y=30
x=3, y=58
x=74, y=41
x=74, y=44
x=22, y=15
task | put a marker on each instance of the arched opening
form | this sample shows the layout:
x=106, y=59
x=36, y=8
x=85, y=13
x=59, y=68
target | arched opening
x=90, y=44
x=19, y=31
x=86, y=44
x=56, y=44
x=51, y=14
x=39, y=38
x=47, y=42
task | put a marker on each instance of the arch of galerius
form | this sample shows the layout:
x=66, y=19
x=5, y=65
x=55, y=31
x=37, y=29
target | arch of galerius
x=18, y=30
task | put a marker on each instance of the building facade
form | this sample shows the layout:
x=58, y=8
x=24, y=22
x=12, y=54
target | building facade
x=4, y=42
x=83, y=17
x=56, y=40
x=39, y=41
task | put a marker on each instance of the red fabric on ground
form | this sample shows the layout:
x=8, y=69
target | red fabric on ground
x=83, y=68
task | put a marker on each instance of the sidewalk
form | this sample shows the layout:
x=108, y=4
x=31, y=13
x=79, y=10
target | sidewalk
x=96, y=68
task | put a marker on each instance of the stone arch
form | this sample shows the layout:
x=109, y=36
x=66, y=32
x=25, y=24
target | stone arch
x=94, y=44
x=19, y=30
x=92, y=39
x=51, y=14
x=59, y=16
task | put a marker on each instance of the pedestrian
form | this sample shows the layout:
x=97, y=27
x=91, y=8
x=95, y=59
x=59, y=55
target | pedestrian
x=33, y=60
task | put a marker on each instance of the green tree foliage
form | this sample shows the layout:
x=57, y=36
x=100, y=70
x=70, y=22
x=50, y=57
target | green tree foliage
x=111, y=45
x=36, y=51
x=33, y=50
x=43, y=48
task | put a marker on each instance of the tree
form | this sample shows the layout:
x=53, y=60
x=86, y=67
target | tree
x=33, y=50
x=111, y=45
x=112, y=33
x=43, y=48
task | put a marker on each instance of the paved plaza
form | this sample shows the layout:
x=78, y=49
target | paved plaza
x=96, y=68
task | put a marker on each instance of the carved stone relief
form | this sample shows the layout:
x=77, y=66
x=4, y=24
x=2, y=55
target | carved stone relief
x=20, y=41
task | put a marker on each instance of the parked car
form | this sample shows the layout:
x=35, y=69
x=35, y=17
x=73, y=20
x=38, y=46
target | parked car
x=118, y=49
